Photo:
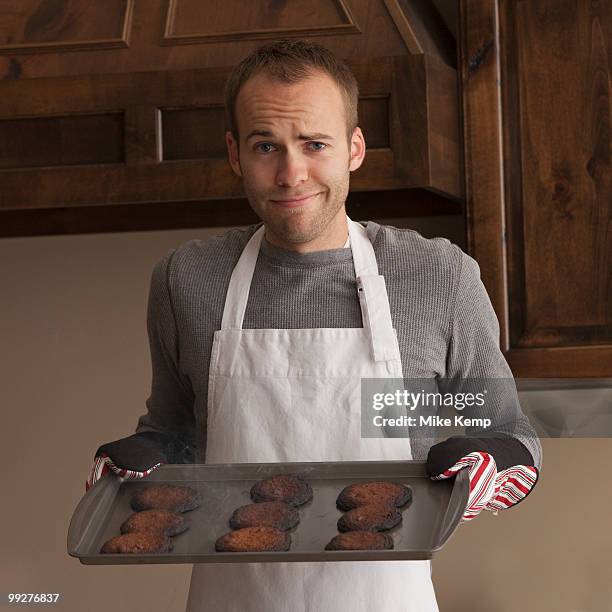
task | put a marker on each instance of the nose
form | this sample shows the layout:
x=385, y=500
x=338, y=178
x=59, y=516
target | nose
x=292, y=169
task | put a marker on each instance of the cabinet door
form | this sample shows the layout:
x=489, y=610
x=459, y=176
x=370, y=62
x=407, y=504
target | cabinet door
x=536, y=80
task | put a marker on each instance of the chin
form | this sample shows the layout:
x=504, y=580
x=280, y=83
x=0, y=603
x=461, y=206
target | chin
x=297, y=236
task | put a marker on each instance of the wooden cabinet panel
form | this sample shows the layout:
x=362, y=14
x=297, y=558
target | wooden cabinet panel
x=540, y=224
x=374, y=120
x=43, y=26
x=232, y=20
x=193, y=133
x=61, y=141
x=557, y=110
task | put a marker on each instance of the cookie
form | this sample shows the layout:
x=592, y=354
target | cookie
x=140, y=542
x=362, y=493
x=169, y=523
x=360, y=540
x=166, y=497
x=253, y=539
x=372, y=517
x=275, y=514
x=292, y=490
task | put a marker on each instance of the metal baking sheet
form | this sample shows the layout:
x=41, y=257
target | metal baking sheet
x=428, y=522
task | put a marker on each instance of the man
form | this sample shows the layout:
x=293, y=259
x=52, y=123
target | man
x=259, y=339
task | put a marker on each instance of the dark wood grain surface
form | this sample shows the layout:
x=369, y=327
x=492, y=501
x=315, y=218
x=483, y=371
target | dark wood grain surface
x=537, y=102
x=481, y=113
x=558, y=109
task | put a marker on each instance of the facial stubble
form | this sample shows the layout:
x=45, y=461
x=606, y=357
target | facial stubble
x=281, y=223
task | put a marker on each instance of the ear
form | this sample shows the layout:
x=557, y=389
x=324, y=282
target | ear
x=232, y=153
x=358, y=149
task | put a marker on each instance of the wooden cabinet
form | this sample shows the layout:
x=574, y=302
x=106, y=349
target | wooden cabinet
x=537, y=110
x=118, y=113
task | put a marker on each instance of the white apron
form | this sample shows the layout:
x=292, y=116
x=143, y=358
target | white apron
x=293, y=395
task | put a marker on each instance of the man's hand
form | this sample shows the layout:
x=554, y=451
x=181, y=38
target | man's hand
x=512, y=486
x=104, y=464
x=489, y=489
x=137, y=456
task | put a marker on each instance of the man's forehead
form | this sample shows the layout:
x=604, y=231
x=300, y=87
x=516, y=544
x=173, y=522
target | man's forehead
x=315, y=102
x=264, y=79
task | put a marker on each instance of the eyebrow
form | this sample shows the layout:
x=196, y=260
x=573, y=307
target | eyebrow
x=268, y=134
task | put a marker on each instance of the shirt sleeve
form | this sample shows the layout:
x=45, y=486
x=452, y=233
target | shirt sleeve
x=170, y=406
x=475, y=362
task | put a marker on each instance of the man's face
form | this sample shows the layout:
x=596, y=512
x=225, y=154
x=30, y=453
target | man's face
x=295, y=158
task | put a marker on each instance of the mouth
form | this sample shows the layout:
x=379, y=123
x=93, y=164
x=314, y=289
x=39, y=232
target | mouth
x=297, y=201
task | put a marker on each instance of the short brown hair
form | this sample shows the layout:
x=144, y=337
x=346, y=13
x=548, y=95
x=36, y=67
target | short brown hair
x=291, y=61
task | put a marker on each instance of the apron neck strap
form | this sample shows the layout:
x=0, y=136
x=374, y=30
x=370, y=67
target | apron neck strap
x=239, y=288
x=364, y=259
x=240, y=283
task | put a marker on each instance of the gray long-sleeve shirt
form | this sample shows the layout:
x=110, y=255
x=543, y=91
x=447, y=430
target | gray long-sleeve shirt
x=445, y=323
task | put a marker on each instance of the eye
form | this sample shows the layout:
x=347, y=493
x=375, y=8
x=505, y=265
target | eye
x=264, y=147
x=317, y=146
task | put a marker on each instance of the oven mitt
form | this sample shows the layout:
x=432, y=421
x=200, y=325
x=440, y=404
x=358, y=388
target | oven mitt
x=138, y=455
x=501, y=470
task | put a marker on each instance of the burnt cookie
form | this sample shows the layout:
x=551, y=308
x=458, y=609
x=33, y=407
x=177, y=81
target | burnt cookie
x=292, y=490
x=372, y=517
x=380, y=491
x=139, y=542
x=166, y=497
x=254, y=539
x=169, y=523
x=275, y=514
x=360, y=540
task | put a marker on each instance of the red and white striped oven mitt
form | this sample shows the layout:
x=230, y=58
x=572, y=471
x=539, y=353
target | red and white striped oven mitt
x=491, y=488
x=137, y=456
